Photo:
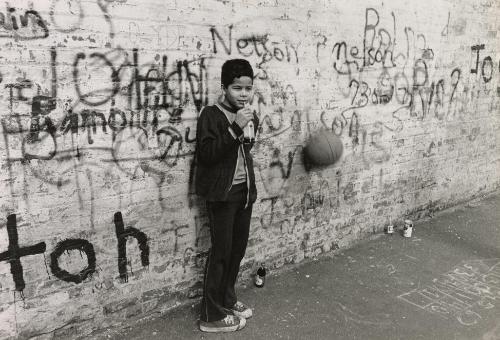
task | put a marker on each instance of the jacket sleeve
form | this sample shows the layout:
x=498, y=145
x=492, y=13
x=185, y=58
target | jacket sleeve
x=214, y=140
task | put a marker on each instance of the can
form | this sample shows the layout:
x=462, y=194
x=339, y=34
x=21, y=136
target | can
x=408, y=228
x=390, y=229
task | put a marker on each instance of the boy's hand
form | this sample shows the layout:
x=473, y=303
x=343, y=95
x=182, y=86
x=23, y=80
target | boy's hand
x=243, y=116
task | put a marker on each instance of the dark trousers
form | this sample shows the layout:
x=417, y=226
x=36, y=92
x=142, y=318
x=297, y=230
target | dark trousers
x=229, y=223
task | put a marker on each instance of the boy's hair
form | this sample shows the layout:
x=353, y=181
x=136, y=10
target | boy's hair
x=235, y=68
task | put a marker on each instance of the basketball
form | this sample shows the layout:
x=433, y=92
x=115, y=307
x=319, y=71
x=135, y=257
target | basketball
x=324, y=148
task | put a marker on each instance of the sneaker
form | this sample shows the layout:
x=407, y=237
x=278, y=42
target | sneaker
x=230, y=323
x=241, y=310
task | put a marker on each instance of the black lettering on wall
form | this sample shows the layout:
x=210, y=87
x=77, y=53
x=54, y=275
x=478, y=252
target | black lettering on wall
x=32, y=25
x=455, y=74
x=89, y=120
x=88, y=98
x=476, y=48
x=122, y=234
x=41, y=106
x=73, y=244
x=227, y=47
x=369, y=34
x=14, y=252
x=53, y=63
x=489, y=63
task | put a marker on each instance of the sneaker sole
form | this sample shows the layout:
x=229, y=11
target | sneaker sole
x=242, y=324
x=219, y=330
x=228, y=329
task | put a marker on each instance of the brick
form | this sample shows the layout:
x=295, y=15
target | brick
x=119, y=305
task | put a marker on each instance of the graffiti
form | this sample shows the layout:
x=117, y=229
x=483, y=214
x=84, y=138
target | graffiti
x=276, y=211
x=317, y=199
x=378, y=49
x=373, y=148
x=349, y=192
x=70, y=9
x=160, y=97
x=27, y=26
x=68, y=16
x=122, y=234
x=445, y=31
x=157, y=88
x=261, y=46
x=274, y=179
x=103, y=5
x=169, y=36
x=381, y=53
x=102, y=65
x=281, y=202
x=264, y=47
x=477, y=49
x=386, y=70
x=364, y=95
x=462, y=293
x=40, y=108
x=342, y=64
x=15, y=252
x=381, y=154
x=430, y=152
x=487, y=65
x=275, y=175
x=421, y=97
x=80, y=245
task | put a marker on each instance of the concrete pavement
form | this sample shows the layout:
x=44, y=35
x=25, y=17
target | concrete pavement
x=442, y=283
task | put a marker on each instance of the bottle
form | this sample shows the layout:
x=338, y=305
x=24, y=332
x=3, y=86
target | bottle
x=249, y=133
x=260, y=277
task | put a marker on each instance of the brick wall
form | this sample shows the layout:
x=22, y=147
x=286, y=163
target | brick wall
x=99, y=100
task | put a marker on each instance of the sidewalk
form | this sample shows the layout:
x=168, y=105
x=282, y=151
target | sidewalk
x=442, y=283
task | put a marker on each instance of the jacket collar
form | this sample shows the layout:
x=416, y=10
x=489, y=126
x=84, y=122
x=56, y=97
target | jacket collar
x=230, y=109
x=229, y=115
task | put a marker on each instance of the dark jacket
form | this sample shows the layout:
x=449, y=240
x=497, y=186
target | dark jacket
x=216, y=155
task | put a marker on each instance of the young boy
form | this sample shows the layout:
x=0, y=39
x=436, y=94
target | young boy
x=225, y=178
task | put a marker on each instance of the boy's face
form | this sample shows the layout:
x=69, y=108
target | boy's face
x=239, y=92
